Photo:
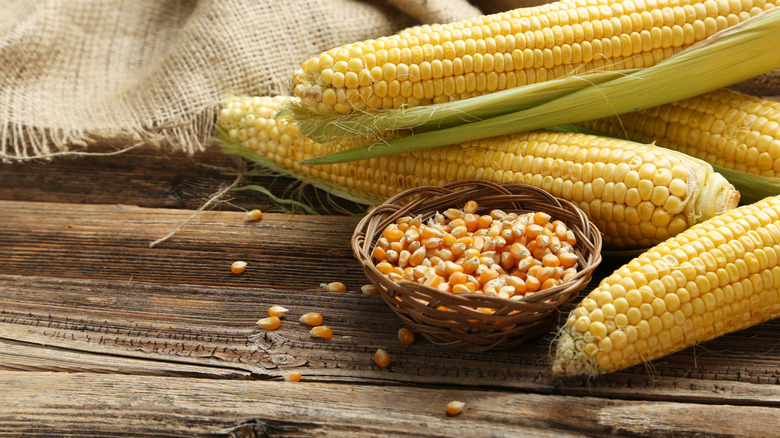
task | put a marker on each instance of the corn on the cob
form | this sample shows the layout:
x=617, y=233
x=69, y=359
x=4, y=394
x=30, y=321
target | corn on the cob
x=440, y=63
x=725, y=128
x=638, y=195
x=717, y=277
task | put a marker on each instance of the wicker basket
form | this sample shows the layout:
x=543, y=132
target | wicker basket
x=513, y=321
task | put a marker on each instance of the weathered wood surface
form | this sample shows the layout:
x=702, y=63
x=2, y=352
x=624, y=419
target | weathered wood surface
x=120, y=405
x=102, y=335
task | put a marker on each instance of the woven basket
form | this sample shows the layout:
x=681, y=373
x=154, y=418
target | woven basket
x=513, y=321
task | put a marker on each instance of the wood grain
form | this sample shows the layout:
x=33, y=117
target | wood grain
x=116, y=405
x=101, y=335
x=148, y=177
x=82, y=279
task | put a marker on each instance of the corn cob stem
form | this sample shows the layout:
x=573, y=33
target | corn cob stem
x=638, y=195
x=717, y=277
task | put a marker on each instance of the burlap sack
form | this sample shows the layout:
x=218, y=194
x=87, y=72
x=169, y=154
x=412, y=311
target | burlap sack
x=74, y=73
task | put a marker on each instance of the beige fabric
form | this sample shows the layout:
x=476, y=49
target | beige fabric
x=77, y=72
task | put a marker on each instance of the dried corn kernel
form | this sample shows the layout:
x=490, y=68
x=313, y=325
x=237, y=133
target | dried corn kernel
x=292, y=376
x=270, y=323
x=238, y=267
x=321, y=331
x=381, y=358
x=311, y=318
x=406, y=336
x=253, y=215
x=277, y=311
x=369, y=289
x=455, y=407
x=334, y=286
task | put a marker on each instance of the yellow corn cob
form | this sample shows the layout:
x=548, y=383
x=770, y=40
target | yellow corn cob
x=637, y=195
x=725, y=128
x=717, y=277
x=440, y=63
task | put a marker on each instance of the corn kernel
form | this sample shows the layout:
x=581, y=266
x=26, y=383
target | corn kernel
x=568, y=259
x=292, y=376
x=369, y=289
x=334, y=286
x=454, y=407
x=381, y=358
x=406, y=336
x=277, y=311
x=253, y=215
x=238, y=267
x=321, y=331
x=311, y=318
x=270, y=323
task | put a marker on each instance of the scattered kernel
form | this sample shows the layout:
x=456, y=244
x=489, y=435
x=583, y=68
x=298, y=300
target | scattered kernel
x=369, y=289
x=381, y=358
x=455, y=407
x=292, y=376
x=238, y=267
x=321, y=331
x=277, y=311
x=334, y=286
x=270, y=323
x=253, y=215
x=406, y=336
x=311, y=318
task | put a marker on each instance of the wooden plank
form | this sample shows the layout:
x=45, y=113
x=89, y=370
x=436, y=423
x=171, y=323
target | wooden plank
x=213, y=327
x=149, y=177
x=29, y=356
x=86, y=404
x=112, y=242
x=95, y=288
x=114, y=326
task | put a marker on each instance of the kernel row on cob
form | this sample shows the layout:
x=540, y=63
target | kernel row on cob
x=735, y=132
x=637, y=195
x=441, y=63
x=725, y=128
x=717, y=277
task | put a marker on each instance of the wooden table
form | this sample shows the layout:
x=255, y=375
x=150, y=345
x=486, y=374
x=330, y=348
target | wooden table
x=102, y=335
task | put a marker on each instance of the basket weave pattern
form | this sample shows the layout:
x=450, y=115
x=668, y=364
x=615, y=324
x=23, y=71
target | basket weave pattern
x=461, y=326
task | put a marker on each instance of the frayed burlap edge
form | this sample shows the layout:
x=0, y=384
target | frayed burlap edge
x=190, y=135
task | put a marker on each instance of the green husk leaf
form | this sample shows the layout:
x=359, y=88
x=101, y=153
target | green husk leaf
x=281, y=201
x=730, y=56
x=338, y=127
